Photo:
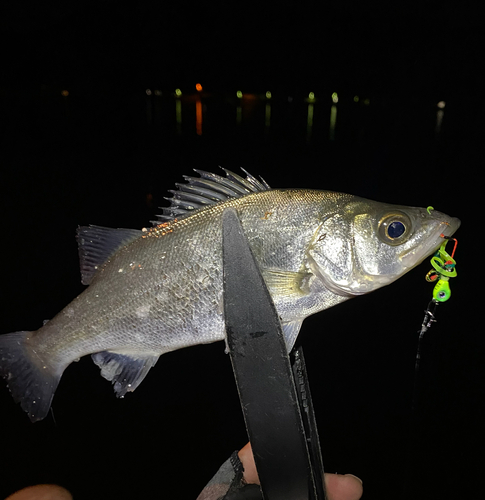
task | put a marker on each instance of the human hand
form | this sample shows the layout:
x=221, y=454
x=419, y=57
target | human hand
x=339, y=487
x=41, y=492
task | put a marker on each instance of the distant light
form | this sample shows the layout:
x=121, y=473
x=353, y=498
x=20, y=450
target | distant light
x=311, y=96
x=441, y=104
x=356, y=98
x=367, y=101
x=148, y=91
x=65, y=93
x=290, y=99
x=198, y=87
x=335, y=97
x=158, y=92
x=239, y=94
x=178, y=92
x=268, y=95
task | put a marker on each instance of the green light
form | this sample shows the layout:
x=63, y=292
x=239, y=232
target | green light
x=311, y=96
x=268, y=95
x=367, y=102
x=356, y=98
x=239, y=94
x=335, y=97
x=178, y=92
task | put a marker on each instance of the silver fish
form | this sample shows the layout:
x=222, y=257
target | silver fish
x=155, y=290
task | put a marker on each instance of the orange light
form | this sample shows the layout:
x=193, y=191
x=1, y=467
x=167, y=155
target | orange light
x=198, y=87
x=65, y=93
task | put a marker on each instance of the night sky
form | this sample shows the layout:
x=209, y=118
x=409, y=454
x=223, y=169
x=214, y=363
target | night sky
x=422, y=48
x=107, y=154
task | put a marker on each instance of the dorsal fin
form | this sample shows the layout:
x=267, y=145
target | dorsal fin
x=97, y=244
x=208, y=189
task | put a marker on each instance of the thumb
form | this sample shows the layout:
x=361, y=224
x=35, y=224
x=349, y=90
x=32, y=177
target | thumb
x=41, y=492
x=343, y=487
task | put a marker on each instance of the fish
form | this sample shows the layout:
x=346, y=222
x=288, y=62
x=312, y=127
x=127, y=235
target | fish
x=154, y=290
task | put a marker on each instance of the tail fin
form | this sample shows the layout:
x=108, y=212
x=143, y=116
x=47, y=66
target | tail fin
x=31, y=381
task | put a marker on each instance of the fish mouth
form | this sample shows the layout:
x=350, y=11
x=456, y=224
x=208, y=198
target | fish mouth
x=445, y=227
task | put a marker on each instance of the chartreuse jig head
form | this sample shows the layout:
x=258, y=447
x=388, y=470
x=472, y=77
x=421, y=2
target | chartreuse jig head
x=444, y=268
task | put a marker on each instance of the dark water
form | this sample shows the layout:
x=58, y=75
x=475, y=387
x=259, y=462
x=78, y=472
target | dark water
x=108, y=158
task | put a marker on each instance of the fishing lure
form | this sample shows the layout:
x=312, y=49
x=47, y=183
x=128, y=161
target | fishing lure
x=444, y=268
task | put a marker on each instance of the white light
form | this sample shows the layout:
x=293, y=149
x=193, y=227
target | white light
x=441, y=104
x=148, y=91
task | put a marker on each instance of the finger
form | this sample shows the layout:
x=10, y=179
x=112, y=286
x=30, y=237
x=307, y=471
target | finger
x=41, y=492
x=343, y=487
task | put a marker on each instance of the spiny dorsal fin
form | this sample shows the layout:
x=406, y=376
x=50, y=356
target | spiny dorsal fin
x=208, y=189
x=97, y=244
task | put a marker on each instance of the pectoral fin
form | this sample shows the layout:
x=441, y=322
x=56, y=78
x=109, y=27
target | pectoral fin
x=125, y=372
x=286, y=283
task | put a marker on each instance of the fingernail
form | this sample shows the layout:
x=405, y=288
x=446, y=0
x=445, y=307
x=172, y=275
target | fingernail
x=361, y=482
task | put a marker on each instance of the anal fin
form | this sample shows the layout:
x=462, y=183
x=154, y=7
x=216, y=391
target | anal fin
x=124, y=371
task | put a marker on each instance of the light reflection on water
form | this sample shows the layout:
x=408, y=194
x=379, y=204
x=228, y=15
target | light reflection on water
x=341, y=135
x=188, y=112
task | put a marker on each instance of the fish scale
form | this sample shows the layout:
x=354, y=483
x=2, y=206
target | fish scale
x=155, y=290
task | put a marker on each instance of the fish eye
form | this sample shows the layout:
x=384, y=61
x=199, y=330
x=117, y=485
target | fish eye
x=394, y=228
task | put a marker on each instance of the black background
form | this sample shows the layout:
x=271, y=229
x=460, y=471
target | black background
x=108, y=153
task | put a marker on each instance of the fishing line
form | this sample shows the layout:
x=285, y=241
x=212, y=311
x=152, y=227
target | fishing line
x=444, y=268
